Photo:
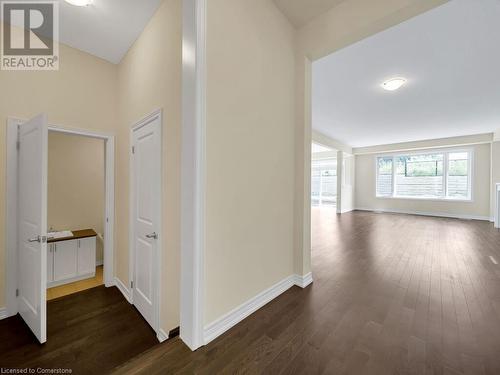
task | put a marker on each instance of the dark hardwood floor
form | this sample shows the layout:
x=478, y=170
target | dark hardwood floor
x=90, y=332
x=392, y=294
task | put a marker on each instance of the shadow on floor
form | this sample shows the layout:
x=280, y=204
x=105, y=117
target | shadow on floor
x=90, y=332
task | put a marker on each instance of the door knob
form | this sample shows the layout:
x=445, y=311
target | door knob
x=41, y=239
x=153, y=235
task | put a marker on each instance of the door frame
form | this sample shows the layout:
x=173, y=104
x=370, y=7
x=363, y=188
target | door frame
x=11, y=207
x=157, y=257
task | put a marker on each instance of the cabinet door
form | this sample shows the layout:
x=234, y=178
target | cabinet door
x=86, y=255
x=50, y=262
x=65, y=260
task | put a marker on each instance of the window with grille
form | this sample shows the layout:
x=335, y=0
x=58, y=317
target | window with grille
x=436, y=175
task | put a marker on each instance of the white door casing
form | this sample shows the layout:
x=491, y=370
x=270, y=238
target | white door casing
x=32, y=224
x=146, y=217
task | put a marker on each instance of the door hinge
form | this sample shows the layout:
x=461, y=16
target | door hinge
x=131, y=285
x=133, y=149
x=18, y=145
x=17, y=292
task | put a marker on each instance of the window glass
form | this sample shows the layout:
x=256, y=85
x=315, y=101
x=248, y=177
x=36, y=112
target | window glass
x=384, y=177
x=458, y=175
x=420, y=176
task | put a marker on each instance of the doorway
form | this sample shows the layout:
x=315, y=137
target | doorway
x=75, y=213
x=323, y=176
x=27, y=160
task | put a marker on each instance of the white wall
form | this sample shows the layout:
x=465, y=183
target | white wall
x=347, y=184
x=365, y=194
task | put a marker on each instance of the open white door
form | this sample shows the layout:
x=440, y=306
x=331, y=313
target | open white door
x=32, y=224
x=146, y=216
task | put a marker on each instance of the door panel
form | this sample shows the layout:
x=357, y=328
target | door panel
x=146, y=179
x=65, y=260
x=86, y=256
x=32, y=224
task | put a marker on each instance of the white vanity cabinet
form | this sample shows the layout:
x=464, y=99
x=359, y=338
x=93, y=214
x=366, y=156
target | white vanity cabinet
x=70, y=260
x=65, y=260
x=86, y=255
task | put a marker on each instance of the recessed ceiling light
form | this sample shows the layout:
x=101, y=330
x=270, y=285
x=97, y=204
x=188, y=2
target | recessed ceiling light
x=79, y=3
x=393, y=84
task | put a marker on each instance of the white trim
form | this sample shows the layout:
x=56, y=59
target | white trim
x=193, y=172
x=70, y=280
x=99, y=263
x=11, y=219
x=162, y=335
x=417, y=149
x=496, y=217
x=426, y=213
x=3, y=313
x=109, y=214
x=157, y=270
x=303, y=281
x=229, y=320
x=122, y=288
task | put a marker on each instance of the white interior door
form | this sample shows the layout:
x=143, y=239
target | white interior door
x=146, y=215
x=32, y=224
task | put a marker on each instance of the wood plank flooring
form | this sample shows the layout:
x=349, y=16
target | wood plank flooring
x=90, y=332
x=392, y=294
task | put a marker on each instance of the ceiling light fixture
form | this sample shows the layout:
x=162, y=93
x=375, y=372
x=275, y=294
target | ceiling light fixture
x=393, y=84
x=79, y=3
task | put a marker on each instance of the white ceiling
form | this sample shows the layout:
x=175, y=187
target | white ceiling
x=451, y=58
x=106, y=28
x=299, y=12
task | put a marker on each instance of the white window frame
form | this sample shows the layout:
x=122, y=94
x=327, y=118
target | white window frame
x=445, y=152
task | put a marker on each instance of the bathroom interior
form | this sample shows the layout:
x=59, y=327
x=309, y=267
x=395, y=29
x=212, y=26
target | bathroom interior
x=76, y=211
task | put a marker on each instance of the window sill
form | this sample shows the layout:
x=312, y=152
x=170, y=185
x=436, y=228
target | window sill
x=428, y=199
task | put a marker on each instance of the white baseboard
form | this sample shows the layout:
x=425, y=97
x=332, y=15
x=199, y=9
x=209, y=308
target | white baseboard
x=229, y=320
x=125, y=291
x=425, y=213
x=99, y=263
x=3, y=313
x=162, y=335
x=70, y=280
x=303, y=281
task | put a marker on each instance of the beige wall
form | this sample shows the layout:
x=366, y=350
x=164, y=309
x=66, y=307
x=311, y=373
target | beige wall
x=76, y=191
x=479, y=207
x=149, y=78
x=250, y=152
x=82, y=94
x=89, y=93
